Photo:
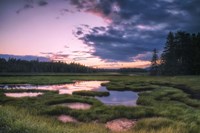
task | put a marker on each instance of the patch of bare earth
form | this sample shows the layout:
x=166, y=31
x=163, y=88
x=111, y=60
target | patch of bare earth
x=66, y=118
x=119, y=125
x=76, y=105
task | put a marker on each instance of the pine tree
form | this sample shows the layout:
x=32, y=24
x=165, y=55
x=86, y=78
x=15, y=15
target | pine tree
x=181, y=54
x=168, y=57
x=154, y=63
x=196, y=54
x=184, y=53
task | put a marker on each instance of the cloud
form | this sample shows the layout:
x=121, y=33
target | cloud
x=56, y=56
x=144, y=56
x=136, y=27
x=25, y=7
x=82, y=58
x=25, y=57
x=66, y=46
x=29, y=4
x=79, y=32
x=42, y=3
x=119, y=45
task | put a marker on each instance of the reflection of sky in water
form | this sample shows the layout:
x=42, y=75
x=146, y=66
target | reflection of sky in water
x=127, y=98
x=62, y=88
x=24, y=94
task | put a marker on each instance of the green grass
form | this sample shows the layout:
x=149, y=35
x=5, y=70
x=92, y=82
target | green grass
x=165, y=104
x=34, y=80
x=14, y=120
x=160, y=125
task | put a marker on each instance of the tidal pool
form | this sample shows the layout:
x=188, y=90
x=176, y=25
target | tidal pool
x=127, y=98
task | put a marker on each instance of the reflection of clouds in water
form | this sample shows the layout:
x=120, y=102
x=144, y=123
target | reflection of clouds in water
x=114, y=99
x=127, y=98
x=81, y=85
x=63, y=88
x=24, y=94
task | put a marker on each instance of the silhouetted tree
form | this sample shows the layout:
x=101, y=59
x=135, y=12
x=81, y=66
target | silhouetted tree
x=196, y=54
x=154, y=63
x=14, y=65
x=168, y=57
x=181, y=54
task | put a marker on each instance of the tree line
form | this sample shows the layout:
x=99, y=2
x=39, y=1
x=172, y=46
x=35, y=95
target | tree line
x=17, y=65
x=181, y=55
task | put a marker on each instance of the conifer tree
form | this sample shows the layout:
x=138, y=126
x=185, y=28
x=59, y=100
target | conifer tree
x=181, y=54
x=154, y=63
x=168, y=57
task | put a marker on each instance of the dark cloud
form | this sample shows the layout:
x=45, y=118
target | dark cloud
x=25, y=7
x=120, y=45
x=79, y=32
x=42, y=3
x=46, y=53
x=146, y=56
x=59, y=56
x=28, y=4
x=98, y=29
x=136, y=26
x=65, y=11
x=25, y=57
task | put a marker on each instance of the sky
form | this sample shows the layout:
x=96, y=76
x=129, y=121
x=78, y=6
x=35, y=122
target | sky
x=96, y=33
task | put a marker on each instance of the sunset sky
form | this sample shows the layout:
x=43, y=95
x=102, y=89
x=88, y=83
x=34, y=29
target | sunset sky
x=97, y=33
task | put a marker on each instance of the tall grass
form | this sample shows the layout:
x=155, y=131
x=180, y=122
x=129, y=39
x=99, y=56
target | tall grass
x=14, y=120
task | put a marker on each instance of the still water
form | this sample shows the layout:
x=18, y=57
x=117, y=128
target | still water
x=127, y=98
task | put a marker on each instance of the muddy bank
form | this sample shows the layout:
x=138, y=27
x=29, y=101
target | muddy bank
x=66, y=118
x=119, y=125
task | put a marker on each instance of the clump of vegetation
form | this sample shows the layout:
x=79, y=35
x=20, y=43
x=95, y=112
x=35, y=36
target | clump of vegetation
x=91, y=93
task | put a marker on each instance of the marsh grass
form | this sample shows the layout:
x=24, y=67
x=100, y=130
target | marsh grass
x=163, y=105
x=14, y=120
x=36, y=80
x=160, y=124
